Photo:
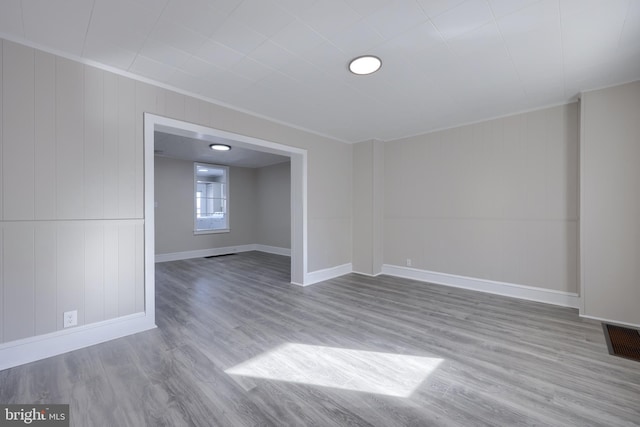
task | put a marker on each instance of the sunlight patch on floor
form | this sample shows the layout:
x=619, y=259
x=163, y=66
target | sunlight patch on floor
x=365, y=371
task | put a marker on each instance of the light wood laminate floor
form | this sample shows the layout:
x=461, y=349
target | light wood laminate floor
x=237, y=345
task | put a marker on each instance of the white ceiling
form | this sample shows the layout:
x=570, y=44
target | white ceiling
x=197, y=149
x=445, y=62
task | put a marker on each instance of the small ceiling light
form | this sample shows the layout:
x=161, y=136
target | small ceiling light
x=366, y=64
x=220, y=147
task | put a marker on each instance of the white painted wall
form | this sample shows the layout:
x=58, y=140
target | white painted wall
x=368, y=206
x=496, y=200
x=610, y=203
x=273, y=212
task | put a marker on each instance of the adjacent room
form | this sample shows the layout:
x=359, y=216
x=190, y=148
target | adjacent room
x=341, y=212
x=256, y=184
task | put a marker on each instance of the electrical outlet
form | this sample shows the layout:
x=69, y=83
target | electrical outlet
x=408, y=262
x=70, y=318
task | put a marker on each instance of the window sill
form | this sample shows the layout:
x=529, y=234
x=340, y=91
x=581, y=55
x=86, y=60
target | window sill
x=216, y=231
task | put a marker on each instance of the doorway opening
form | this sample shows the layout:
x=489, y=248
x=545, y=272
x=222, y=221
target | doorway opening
x=298, y=158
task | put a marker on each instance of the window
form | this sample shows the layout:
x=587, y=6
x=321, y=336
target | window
x=211, y=209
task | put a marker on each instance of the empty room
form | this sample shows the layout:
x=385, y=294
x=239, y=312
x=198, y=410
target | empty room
x=320, y=212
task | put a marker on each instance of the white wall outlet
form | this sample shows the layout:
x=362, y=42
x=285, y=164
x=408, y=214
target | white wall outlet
x=408, y=262
x=70, y=318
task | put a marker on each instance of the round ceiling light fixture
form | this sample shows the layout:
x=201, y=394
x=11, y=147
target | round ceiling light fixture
x=366, y=64
x=220, y=147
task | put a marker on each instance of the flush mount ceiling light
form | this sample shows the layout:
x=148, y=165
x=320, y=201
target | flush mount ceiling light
x=366, y=64
x=220, y=147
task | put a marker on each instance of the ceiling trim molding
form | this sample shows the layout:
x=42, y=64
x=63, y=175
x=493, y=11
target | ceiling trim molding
x=504, y=116
x=606, y=87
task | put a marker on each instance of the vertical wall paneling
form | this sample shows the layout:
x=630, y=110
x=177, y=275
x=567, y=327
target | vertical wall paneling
x=45, y=199
x=487, y=200
x=378, y=206
x=2, y=323
x=204, y=113
x=610, y=203
x=94, y=273
x=70, y=139
x=18, y=132
x=1, y=171
x=70, y=269
x=45, y=259
x=94, y=166
x=174, y=105
x=126, y=269
x=161, y=101
x=535, y=165
x=362, y=201
x=110, y=148
x=139, y=268
x=329, y=212
x=513, y=165
x=126, y=148
x=71, y=148
x=111, y=270
x=192, y=110
x=19, y=283
x=146, y=102
x=273, y=212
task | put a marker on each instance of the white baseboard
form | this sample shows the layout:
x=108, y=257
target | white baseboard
x=201, y=253
x=272, y=250
x=549, y=296
x=30, y=349
x=366, y=274
x=613, y=322
x=326, y=274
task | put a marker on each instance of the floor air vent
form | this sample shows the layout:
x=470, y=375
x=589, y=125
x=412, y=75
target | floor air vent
x=623, y=342
x=218, y=256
